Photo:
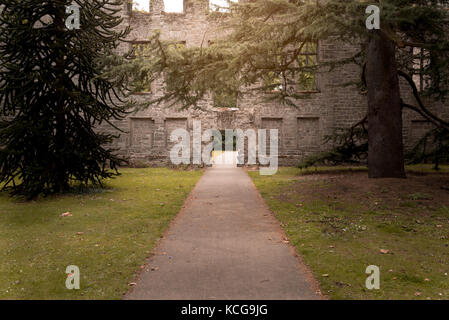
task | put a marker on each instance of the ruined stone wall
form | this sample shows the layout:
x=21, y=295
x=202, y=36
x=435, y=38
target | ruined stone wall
x=301, y=129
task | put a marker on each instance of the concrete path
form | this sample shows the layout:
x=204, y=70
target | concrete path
x=224, y=244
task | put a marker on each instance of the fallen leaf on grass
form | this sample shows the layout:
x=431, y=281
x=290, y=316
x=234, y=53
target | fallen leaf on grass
x=342, y=284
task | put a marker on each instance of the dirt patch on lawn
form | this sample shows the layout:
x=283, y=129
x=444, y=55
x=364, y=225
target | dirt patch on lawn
x=417, y=191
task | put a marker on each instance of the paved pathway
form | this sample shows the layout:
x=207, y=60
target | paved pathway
x=224, y=244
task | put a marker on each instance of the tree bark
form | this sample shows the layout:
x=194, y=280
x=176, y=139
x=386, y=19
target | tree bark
x=385, y=146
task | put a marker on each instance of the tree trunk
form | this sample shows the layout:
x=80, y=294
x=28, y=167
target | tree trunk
x=385, y=146
x=61, y=180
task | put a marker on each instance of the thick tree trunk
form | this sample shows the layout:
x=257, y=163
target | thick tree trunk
x=385, y=147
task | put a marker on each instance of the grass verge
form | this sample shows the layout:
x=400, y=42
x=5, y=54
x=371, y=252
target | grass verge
x=342, y=222
x=108, y=235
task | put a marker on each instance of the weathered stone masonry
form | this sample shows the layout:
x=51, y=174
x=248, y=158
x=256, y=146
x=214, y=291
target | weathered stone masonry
x=301, y=129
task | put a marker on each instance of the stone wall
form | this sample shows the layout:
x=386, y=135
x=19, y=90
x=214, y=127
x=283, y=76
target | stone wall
x=301, y=129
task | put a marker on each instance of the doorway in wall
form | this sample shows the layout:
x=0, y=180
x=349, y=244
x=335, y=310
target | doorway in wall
x=228, y=154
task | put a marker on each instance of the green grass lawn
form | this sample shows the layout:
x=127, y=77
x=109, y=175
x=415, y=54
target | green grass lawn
x=108, y=236
x=418, y=168
x=340, y=222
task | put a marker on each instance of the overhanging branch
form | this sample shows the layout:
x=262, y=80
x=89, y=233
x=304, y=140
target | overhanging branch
x=423, y=110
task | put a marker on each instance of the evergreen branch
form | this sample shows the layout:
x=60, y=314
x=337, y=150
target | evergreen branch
x=418, y=99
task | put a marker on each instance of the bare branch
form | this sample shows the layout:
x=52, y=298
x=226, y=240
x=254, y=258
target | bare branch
x=420, y=103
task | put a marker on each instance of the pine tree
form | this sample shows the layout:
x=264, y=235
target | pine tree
x=52, y=95
x=266, y=38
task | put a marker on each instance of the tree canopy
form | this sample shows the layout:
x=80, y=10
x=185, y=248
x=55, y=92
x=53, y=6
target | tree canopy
x=268, y=36
x=52, y=94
